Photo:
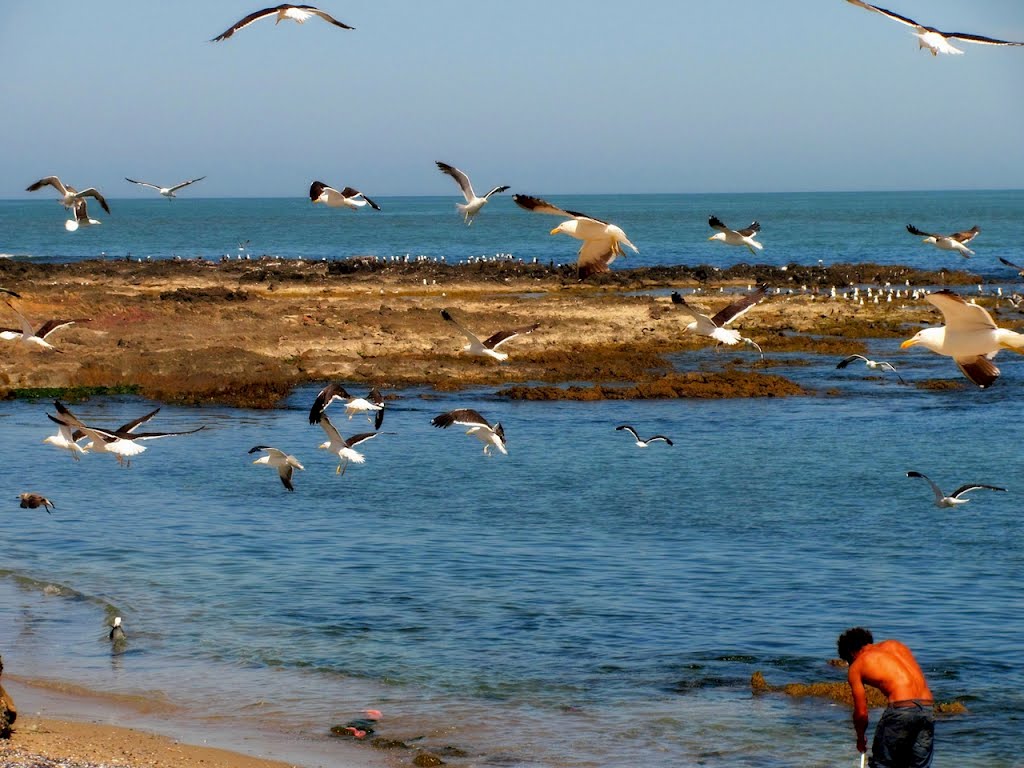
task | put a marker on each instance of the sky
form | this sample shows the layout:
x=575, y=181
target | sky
x=553, y=97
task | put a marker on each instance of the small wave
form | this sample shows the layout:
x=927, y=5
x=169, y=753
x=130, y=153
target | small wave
x=55, y=589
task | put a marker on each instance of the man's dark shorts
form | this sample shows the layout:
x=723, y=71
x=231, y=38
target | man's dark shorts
x=904, y=736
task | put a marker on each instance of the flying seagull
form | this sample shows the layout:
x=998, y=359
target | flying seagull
x=928, y=37
x=473, y=203
x=954, y=499
x=489, y=346
x=970, y=337
x=281, y=461
x=342, y=448
x=116, y=631
x=66, y=439
x=34, y=501
x=68, y=194
x=736, y=236
x=875, y=365
x=492, y=437
x=602, y=241
x=36, y=338
x=372, y=405
x=81, y=211
x=332, y=198
x=955, y=242
x=640, y=443
x=167, y=192
x=121, y=442
x=1018, y=267
x=714, y=327
x=297, y=13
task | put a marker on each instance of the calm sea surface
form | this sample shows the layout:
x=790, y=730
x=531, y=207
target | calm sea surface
x=579, y=602
x=668, y=229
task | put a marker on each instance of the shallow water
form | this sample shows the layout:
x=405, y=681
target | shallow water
x=579, y=602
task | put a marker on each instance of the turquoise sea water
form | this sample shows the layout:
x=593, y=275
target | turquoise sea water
x=579, y=602
x=668, y=229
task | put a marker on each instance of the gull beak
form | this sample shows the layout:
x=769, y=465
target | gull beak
x=711, y=238
x=908, y=343
x=554, y=231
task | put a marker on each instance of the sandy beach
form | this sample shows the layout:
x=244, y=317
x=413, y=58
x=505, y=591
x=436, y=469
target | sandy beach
x=245, y=333
x=70, y=727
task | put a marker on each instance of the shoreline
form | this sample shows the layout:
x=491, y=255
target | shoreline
x=63, y=722
x=245, y=333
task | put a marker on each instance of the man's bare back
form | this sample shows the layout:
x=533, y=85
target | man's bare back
x=890, y=667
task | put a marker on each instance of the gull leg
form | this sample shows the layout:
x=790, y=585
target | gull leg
x=344, y=468
x=337, y=470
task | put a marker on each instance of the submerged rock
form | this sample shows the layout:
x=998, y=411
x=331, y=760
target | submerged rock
x=840, y=691
x=724, y=384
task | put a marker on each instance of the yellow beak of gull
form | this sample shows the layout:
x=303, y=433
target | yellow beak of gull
x=711, y=238
x=554, y=231
x=908, y=343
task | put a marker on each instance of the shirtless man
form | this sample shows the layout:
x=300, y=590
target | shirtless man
x=903, y=736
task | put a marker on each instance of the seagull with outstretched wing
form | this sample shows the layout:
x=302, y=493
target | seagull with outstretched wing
x=167, y=192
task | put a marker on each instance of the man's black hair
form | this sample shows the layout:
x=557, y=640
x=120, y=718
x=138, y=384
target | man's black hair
x=852, y=640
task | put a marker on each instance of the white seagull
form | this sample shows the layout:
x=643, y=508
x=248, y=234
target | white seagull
x=714, y=327
x=970, y=337
x=372, y=405
x=68, y=194
x=279, y=460
x=640, y=443
x=489, y=346
x=167, y=192
x=602, y=241
x=955, y=498
x=342, y=448
x=81, y=212
x=492, y=437
x=473, y=203
x=36, y=338
x=955, y=242
x=928, y=37
x=34, y=501
x=65, y=439
x=875, y=365
x=297, y=13
x=121, y=442
x=736, y=236
x=332, y=198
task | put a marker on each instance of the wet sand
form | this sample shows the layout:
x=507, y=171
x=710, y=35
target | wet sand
x=71, y=727
x=246, y=332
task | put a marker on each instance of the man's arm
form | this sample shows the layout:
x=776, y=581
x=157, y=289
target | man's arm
x=860, y=706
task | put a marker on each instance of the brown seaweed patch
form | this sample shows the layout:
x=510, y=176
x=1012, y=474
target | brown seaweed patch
x=212, y=375
x=816, y=345
x=840, y=692
x=941, y=385
x=215, y=293
x=713, y=385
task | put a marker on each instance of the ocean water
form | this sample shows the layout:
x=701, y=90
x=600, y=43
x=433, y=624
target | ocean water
x=579, y=602
x=800, y=228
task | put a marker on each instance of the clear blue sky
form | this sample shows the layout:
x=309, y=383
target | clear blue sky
x=553, y=96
